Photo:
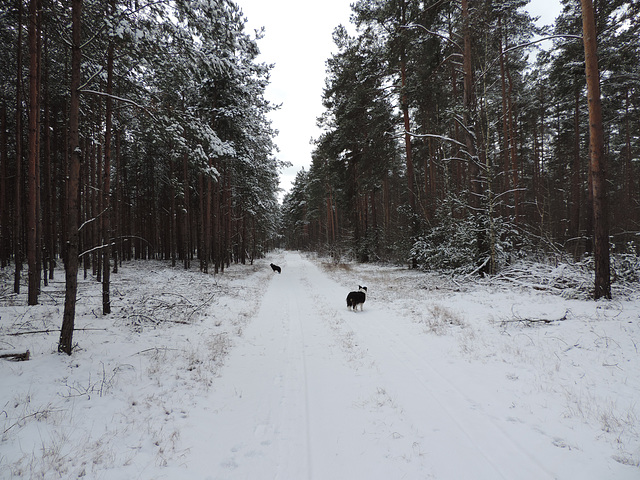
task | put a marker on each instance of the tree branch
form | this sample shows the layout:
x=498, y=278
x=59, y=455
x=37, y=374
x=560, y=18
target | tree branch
x=524, y=45
x=99, y=247
x=440, y=137
x=430, y=32
x=51, y=331
x=120, y=99
x=87, y=222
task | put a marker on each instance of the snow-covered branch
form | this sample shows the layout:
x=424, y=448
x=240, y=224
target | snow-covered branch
x=525, y=45
x=439, y=137
x=98, y=247
x=120, y=99
x=91, y=220
x=543, y=39
x=431, y=32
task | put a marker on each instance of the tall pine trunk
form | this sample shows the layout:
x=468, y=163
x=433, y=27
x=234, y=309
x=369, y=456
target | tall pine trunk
x=574, y=214
x=34, y=108
x=17, y=205
x=405, y=115
x=629, y=183
x=505, y=123
x=513, y=150
x=106, y=204
x=476, y=189
x=46, y=181
x=203, y=241
x=73, y=183
x=5, y=243
x=117, y=257
x=186, y=259
x=597, y=160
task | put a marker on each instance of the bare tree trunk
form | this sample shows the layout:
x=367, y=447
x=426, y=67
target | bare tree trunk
x=629, y=184
x=47, y=182
x=203, y=228
x=87, y=208
x=173, y=225
x=228, y=219
x=106, y=204
x=468, y=102
x=334, y=216
x=56, y=194
x=458, y=166
x=117, y=257
x=71, y=265
x=405, y=116
x=468, y=107
x=87, y=198
x=254, y=239
x=513, y=138
x=34, y=108
x=17, y=206
x=209, y=235
x=243, y=239
x=374, y=222
x=538, y=128
x=5, y=244
x=98, y=214
x=216, y=223
x=575, y=177
x=505, y=126
x=597, y=160
x=38, y=280
x=64, y=194
x=185, y=213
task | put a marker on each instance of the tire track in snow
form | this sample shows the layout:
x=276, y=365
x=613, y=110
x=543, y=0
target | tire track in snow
x=467, y=416
x=459, y=429
x=346, y=439
x=256, y=423
x=315, y=392
x=297, y=342
x=288, y=403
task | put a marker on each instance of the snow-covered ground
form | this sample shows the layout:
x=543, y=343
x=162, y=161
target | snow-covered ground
x=255, y=375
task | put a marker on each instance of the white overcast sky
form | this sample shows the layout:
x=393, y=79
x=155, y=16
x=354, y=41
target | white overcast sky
x=298, y=41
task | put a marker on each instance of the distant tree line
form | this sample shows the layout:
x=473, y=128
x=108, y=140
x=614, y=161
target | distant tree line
x=448, y=144
x=131, y=130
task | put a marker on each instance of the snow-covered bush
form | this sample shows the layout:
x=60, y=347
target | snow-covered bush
x=444, y=248
x=452, y=242
x=448, y=244
x=625, y=267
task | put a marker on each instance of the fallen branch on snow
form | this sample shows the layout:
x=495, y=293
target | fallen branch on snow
x=33, y=332
x=16, y=357
x=533, y=321
x=153, y=349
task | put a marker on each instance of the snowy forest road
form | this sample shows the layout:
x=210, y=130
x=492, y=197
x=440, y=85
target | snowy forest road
x=315, y=391
x=258, y=375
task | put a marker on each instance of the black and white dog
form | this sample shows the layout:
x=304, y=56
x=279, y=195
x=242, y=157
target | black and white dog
x=276, y=268
x=357, y=298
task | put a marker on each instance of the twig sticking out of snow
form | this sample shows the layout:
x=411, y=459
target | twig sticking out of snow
x=532, y=321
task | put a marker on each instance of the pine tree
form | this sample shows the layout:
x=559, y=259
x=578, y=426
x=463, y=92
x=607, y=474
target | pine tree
x=71, y=261
x=597, y=160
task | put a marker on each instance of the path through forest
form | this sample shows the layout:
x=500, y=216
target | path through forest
x=317, y=392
